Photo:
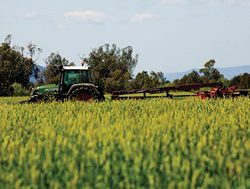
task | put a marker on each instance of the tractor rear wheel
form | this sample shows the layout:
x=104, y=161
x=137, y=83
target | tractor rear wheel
x=83, y=94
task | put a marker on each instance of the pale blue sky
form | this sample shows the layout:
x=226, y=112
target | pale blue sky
x=168, y=35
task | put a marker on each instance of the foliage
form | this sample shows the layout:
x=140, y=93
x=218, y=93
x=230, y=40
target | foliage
x=117, y=80
x=14, y=68
x=114, y=65
x=190, y=78
x=144, y=81
x=242, y=81
x=33, y=51
x=159, y=143
x=19, y=90
x=210, y=74
x=225, y=82
x=51, y=73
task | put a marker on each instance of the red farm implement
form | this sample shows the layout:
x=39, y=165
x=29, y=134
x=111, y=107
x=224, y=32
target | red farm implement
x=216, y=90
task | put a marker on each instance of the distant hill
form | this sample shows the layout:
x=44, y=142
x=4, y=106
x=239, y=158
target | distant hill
x=228, y=72
x=41, y=68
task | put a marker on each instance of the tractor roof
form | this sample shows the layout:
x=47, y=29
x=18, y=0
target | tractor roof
x=75, y=68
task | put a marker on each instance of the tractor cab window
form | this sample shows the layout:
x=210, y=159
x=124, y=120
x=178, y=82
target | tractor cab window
x=72, y=77
x=86, y=76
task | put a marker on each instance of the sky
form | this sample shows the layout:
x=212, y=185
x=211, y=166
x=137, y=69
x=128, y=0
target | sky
x=168, y=35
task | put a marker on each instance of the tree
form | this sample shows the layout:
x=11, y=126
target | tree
x=117, y=81
x=176, y=82
x=210, y=74
x=143, y=80
x=14, y=68
x=8, y=39
x=158, y=78
x=51, y=74
x=241, y=81
x=190, y=78
x=34, y=53
x=114, y=66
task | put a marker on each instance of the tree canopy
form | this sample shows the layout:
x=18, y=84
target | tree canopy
x=241, y=81
x=209, y=73
x=143, y=80
x=14, y=68
x=51, y=74
x=190, y=78
x=114, y=66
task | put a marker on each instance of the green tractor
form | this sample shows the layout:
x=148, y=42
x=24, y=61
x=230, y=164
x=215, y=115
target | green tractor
x=75, y=84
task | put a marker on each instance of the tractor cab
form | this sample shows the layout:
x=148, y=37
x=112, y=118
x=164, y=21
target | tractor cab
x=73, y=75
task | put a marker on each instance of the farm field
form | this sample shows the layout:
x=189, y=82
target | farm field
x=156, y=143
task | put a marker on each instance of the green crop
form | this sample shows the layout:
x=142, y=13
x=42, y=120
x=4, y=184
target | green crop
x=157, y=143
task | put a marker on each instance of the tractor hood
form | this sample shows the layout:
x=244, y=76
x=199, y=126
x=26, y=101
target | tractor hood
x=52, y=88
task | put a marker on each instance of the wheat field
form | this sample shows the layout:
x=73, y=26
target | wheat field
x=156, y=143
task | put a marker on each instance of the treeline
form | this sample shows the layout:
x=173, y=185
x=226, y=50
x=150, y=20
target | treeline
x=209, y=74
x=114, y=65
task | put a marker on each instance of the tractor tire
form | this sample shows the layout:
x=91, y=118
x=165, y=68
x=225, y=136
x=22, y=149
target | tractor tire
x=83, y=94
